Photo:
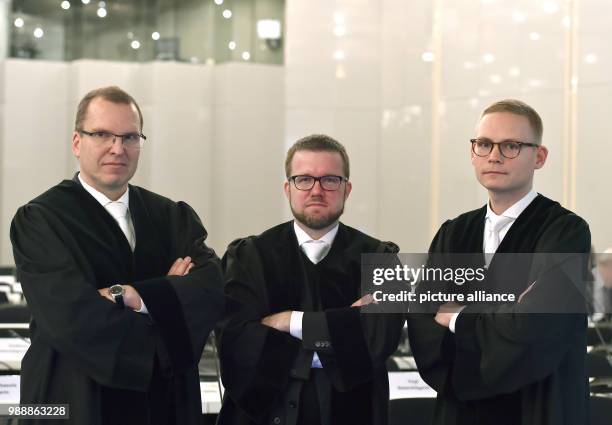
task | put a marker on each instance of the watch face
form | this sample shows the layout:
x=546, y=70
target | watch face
x=116, y=290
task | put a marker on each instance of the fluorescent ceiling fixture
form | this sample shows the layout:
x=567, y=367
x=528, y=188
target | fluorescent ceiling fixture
x=227, y=13
x=218, y=2
x=339, y=55
x=231, y=45
x=339, y=18
x=155, y=35
x=495, y=79
x=135, y=44
x=38, y=32
x=590, y=58
x=18, y=22
x=65, y=5
x=101, y=12
x=269, y=29
x=85, y=1
x=534, y=36
x=246, y=56
x=566, y=22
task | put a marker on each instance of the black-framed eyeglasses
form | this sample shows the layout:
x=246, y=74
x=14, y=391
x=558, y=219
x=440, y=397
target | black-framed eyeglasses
x=132, y=141
x=508, y=148
x=306, y=182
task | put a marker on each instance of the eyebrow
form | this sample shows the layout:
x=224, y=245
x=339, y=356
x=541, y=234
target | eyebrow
x=486, y=139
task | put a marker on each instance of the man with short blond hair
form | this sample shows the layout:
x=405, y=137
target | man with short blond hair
x=297, y=349
x=523, y=362
x=122, y=288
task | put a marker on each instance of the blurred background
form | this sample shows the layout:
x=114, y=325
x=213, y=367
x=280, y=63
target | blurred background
x=226, y=86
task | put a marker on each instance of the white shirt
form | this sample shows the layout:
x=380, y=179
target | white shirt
x=103, y=200
x=295, y=324
x=512, y=213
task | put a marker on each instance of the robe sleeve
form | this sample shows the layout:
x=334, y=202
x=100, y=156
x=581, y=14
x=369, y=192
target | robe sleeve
x=185, y=308
x=353, y=345
x=432, y=345
x=256, y=360
x=500, y=349
x=504, y=348
x=114, y=347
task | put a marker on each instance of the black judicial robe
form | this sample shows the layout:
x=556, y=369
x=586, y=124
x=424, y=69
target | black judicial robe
x=502, y=366
x=265, y=371
x=111, y=365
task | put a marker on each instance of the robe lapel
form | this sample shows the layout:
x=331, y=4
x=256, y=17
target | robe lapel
x=151, y=253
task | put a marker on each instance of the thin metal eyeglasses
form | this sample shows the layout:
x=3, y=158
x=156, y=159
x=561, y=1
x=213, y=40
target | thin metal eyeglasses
x=508, y=148
x=106, y=138
x=306, y=182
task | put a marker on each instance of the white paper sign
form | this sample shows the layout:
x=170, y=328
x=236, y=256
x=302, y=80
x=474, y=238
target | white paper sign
x=408, y=385
x=9, y=389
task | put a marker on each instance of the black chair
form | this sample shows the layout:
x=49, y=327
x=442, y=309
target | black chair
x=411, y=411
x=601, y=410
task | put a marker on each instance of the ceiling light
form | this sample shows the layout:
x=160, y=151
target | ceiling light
x=428, y=57
x=135, y=44
x=38, y=32
x=65, y=5
x=101, y=12
x=155, y=36
x=231, y=45
x=18, y=22
x=246, y=56
x=227, y=13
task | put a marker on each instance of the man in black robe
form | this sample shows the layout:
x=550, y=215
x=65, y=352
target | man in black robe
x=507, y=363
x=296, y=348
x=129, y=357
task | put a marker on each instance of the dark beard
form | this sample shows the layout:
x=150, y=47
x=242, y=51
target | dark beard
x=317, y=223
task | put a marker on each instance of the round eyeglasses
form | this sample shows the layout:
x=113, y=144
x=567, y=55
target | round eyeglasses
x=509, y=148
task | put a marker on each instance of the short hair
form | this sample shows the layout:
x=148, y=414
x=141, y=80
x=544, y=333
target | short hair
x=318, y=143
x=110, y=93
x=518, y=107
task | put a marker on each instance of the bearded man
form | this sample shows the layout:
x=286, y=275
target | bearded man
x=296, y=347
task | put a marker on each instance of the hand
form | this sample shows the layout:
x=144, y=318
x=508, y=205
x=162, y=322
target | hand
x=445, y=313
x=365, y=300
x=279, y=321
x=131, y=298
x=181, y=267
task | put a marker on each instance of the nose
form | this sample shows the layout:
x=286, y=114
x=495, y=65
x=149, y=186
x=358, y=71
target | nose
x=317, y=189
x=117, y=147
x=495, y=155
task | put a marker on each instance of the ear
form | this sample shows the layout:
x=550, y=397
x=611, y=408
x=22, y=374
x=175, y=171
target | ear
x=286, y=188
x=76, y=143
x=541, y=155
x=347, y=191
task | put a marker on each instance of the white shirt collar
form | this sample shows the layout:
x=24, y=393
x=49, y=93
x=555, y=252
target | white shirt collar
x=102, y=198
x=303, y=237
x=515, y=210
